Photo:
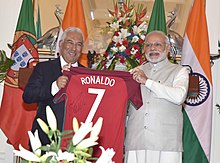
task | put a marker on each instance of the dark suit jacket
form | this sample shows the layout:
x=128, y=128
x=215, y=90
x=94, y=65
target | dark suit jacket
x=38, y=90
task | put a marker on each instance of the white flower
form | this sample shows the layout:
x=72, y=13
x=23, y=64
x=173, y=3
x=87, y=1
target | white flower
x=43, y=125
x=115, y=25
x=136, y=30
x=27, y=155
x=65, y=156
x=75, y=125
x=117, y=39
x=142, y=37
x=96, y=128
x=143, y=26
x=106, y=156
x=135, y=39
x=123, y=19
x=51, y=119
x=124, y=33
x=134, y=51
x=88, y=142
x=84, y=129
x=114, y=49
x=35, y=142
x=140, y=28
x=122, y=48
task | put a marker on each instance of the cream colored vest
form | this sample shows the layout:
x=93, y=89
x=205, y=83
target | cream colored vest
x=157, y=125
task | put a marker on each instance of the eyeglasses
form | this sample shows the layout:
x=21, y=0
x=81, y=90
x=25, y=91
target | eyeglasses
x=157, y=45
x=70, y=44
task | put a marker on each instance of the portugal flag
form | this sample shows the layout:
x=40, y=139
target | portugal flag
x=15, y=116
x=198, y=110
x=74, y=17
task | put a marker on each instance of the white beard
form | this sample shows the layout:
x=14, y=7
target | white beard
x=155, y=59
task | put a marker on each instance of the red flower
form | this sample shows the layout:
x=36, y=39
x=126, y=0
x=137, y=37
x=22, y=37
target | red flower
x=141, y=41
x=117, y=55
x=117, y=33
x=122, y=60
x=136, y=47
x=106, y=54
x=118, y=44
x=127, y=23
x=137, y=55
x=125, y=43
x=128, y=51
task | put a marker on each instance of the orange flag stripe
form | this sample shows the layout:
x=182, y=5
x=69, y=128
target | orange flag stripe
x=74, y=16
x=198, y=38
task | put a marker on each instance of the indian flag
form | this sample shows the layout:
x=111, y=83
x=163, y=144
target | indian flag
x=74, y=17
x=198, y=111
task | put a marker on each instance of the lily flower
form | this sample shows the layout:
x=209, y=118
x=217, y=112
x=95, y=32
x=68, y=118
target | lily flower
x=134, y=51
x=117, y=39
x=96, y=128
x=143, y=26
x=115, y=25
x=114, y=49
x=142, y=37
x=75, y=125
x=43, y=125
x=65, y=156
x=135, y=39
x=88, y=142
x=140, y=28
x=51, y=119
x=84, y=129
x=35, y=142
x=122, y=48
x=27, y=155
x=106, y=156
x=124, y=33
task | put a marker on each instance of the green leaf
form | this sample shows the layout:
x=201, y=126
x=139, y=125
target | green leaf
x=132, y=63
x=112, y=65
x=5, y=63
x=24, y=161
x=49, y=160
x=45, y=148
x=84, y=154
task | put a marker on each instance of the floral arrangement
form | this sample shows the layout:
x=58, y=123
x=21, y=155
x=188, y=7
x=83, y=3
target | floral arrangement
x=128, y=39
x=79, y=149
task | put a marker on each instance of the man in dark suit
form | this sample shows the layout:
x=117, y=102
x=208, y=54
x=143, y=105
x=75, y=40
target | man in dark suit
x=47, y=79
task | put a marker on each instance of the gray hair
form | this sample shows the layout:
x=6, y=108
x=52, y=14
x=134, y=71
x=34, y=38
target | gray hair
x=71, y=29
x=161, y=33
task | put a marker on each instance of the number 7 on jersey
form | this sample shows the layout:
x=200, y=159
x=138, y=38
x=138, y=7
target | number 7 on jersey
x=100, y=93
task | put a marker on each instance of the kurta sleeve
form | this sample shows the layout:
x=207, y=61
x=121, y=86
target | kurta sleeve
x=175, y=93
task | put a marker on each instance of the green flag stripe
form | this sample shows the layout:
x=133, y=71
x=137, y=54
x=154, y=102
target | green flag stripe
x=26, y=14
x=193, y=152
x=157, y=19
x=38, y=24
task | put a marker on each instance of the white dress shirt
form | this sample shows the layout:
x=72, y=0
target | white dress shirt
x=54, y=87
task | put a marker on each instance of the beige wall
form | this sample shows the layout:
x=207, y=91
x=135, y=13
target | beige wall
x=47, y=8
x=48, y=19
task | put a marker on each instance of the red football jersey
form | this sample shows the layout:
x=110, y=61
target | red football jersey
x=98, y=93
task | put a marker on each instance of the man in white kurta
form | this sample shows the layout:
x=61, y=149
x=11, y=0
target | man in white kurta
x=154, y=132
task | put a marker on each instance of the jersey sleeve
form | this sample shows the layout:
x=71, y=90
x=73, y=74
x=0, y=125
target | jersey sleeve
x=134, y=92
